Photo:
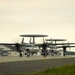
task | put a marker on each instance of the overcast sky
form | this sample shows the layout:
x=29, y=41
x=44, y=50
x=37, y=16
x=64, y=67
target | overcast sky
x=55, y=18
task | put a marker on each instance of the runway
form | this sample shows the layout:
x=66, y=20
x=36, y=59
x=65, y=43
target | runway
x=32, y=64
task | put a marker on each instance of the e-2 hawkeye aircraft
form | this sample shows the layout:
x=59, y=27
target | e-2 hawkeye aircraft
x=53, y=46
x=32, y=48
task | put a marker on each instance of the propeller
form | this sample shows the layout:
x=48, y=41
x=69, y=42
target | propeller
x=64, y=50
x=18, y=44
x=44, y=46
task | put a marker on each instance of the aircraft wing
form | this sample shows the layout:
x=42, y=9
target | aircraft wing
x=60, y=43
x=64, y=43
x=7, y=44
x=64, y=46
x=47, y=44
x=57, y=45
x=11, y=44
x=16, y=45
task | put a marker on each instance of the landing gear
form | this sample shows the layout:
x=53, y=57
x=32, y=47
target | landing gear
x=44, y=53
x=64, y=50
x=28, y=54
x=20, y=54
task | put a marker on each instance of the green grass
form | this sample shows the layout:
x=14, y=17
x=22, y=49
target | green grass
x=64, y=70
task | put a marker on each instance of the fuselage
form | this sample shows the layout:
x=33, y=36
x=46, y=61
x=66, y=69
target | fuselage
x=31, y=48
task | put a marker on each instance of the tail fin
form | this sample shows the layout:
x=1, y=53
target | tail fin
x=30, y=41
x=51, y=41
x=22, y=40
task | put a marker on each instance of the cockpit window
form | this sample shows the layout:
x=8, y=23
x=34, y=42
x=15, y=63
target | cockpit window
x=28, y=45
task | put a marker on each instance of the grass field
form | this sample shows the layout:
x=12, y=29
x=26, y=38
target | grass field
x=64, y=70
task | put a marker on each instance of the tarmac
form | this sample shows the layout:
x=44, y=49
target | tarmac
x=17, y=64
x=33, y=57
